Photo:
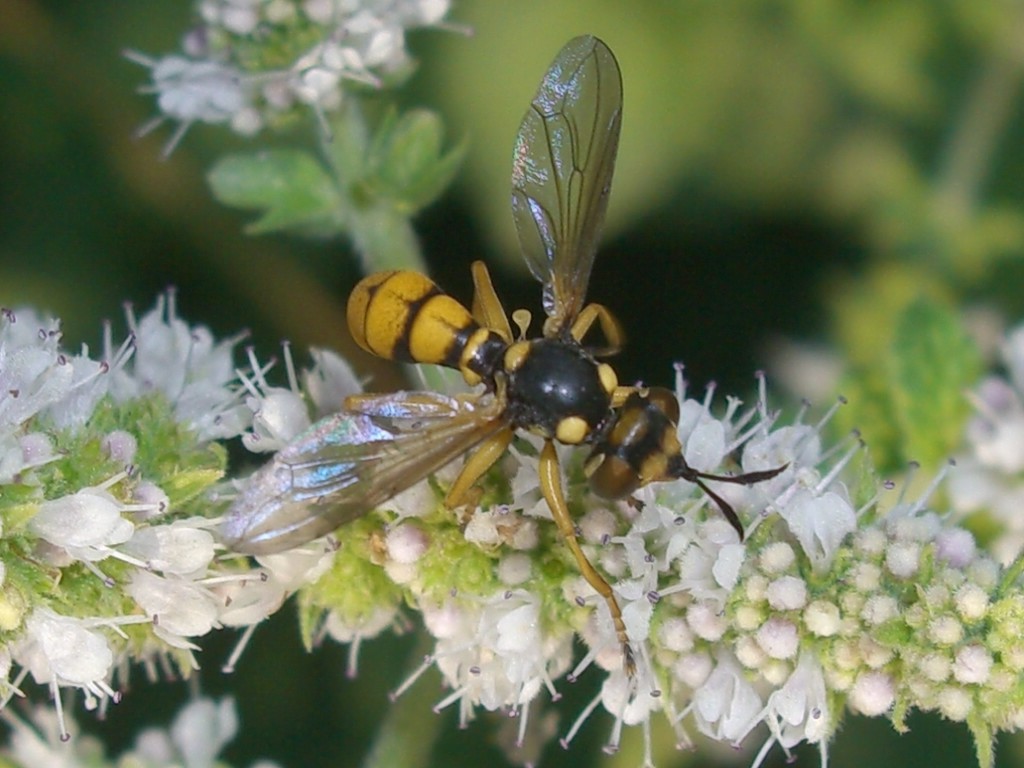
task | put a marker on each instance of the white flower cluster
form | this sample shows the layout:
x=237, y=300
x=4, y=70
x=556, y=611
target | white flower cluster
x=57, y=409
x=717, y=618
x=827, y=603
x=250, y=63
x=990, y=476
x=505, y=629
x=199, y=732
x=108, y=554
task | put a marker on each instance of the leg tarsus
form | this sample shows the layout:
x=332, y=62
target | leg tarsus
x=614, y=334
x=482, y=459
x=551, y=488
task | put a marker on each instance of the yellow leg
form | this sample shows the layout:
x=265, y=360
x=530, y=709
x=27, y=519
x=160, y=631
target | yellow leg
x=620, y=394
x=551, y=488
x=613, y=332
x=482, y=459
x=487, y=309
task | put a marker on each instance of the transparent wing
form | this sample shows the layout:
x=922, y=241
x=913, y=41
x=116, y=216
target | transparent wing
x=562, y=171
x=347, y=464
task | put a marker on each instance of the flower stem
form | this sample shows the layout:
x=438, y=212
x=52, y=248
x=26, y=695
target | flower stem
x=988, y=108
x=407, y=735
x=381, y=232
x=385, y=239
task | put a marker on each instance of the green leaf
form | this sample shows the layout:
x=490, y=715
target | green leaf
x=291, y=189
x=182, y=487
x=408, y=166
x=869, y=411
x=932, y=362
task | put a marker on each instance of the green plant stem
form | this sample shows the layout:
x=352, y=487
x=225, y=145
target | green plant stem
x=382, y=234
x=384, y=239
x=407, y=735
x=989, y=105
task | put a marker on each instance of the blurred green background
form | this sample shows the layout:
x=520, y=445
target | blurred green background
x=779, y=160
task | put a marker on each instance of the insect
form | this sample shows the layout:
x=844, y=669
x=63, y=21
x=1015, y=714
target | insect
x=554, y=386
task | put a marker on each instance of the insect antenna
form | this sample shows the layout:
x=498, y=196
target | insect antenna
x=686, y=472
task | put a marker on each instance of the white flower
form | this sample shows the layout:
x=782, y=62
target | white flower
x=86, y=524
x=622, y=696
x=195, y=372
x=196, y=736
x=345, y=631
x=973, y=664
x=709, y=567
x=987, y=477
x=703, y=436
x=18, y=455
x=89, y=383
x=279, y=414
x=64, y=650
x=249, y=600
x=183, y=547
x=179, y=608
x=192, y=90
x=499, y=657
x=61, y=651
x=798, y=711
x=121, y=446
x=34, y=374
x=726, y=703
x=201, y=730
x=329, y=382
x=872, y=694
x=778, y=638
x=46, y=740
x=247, y=62
x=820, y=523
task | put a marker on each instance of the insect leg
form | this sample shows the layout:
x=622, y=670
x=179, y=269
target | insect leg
x=482, y=459
x=551, y=488
x=487, y=309
x=620, y=394
x=614, y=334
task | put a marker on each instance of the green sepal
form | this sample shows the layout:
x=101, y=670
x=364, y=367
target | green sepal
x=183, y=487
x=290, y=188
x=894, y=633
x=900, y=710
x=408, y=166
x=169, y=453
x=932, y=362
x=451, y=562
x=355, y=586
x=311, y=620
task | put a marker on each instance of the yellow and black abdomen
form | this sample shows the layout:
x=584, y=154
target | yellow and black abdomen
x=640, y=445
x=404, y=316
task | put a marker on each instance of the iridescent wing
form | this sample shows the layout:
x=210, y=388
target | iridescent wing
x=562, y=172
x=347, y=464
